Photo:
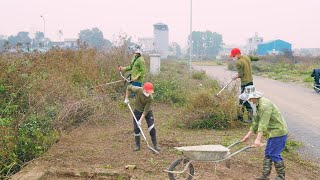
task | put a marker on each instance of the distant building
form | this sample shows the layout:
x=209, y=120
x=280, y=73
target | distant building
x=252, y=43
x=57, y=44
x=227, y=49
x=70, y=43
x=309, y=52
x=146, y=43
x=274, y=47
x=161, y=39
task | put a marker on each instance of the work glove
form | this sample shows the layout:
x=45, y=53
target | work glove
x=126, y=101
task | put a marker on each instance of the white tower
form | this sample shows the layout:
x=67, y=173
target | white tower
x=161, y=39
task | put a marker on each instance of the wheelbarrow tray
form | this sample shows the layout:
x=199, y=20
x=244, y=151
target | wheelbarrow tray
x=204, y=152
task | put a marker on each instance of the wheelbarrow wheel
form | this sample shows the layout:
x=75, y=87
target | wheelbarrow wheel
x=179, y=165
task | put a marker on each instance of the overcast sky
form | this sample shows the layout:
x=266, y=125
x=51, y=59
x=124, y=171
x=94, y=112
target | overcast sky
x=295, y=21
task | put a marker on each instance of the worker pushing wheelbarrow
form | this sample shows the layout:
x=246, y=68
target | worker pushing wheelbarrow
x=268, y=119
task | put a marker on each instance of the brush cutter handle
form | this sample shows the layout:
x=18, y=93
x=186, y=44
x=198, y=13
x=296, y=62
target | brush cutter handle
x=114, y=82
x=124, y=77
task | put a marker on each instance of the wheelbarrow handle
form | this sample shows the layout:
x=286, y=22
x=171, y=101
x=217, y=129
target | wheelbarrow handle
x=237, y=152
x=235, y=143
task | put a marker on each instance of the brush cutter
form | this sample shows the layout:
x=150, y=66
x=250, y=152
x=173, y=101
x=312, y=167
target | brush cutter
x=144, y=137
x=224, y=87
x=113, y=82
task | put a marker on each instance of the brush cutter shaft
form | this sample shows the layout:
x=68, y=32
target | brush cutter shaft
x=224, y=87
x=144, y=137
x=135, y=119
x=109, y=83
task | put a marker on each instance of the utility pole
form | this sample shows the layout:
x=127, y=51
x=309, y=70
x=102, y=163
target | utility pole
x=190, y=43
x=44, y=26
x=44, y=30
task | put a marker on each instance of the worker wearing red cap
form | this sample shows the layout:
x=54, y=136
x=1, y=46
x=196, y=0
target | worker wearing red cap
x=142, y=109
x=243, y=65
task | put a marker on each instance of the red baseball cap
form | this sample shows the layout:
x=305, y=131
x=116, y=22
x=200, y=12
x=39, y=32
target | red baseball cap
x=234, y=52
x=148, y=87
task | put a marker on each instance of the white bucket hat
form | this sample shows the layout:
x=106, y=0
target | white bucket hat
x=250, y=92
x=137, y=51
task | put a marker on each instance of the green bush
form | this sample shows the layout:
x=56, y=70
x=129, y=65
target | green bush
x=199, y=75
x=292, y=146
x=212, y=112
x=195, y=93
x=216, y=121
x=308, y=79
x=169, y=85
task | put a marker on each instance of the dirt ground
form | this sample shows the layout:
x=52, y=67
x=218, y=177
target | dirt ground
x=101, y=149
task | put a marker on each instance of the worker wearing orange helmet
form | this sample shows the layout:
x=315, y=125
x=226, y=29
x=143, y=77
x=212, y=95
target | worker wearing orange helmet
x=142, y=109
x=243, y=65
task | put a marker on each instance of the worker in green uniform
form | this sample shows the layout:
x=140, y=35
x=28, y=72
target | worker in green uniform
x=269, y=121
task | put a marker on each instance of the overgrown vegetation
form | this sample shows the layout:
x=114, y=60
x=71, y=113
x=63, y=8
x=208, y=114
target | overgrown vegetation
x=44, y=94
x=195, y=94
x=285, y=69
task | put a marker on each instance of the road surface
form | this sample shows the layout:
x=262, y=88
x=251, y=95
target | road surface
x=300, y=106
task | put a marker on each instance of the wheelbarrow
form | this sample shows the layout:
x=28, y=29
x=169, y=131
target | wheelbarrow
x=203, y=153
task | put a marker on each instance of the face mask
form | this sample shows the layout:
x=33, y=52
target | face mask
x=146, y=94
x=234, y=58
x=254, y=107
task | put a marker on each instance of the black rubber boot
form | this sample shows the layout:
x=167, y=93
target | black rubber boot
x=280, y=168
x=266, y=170
x=155, y=143
x=137, y=147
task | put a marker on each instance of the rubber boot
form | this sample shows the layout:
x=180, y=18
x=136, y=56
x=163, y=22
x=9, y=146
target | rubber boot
x=155, y=143
x=280, y=168
x=266, y=170
x=137, y=147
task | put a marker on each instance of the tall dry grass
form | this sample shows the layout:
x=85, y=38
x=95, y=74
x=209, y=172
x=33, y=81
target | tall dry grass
x=42, y=95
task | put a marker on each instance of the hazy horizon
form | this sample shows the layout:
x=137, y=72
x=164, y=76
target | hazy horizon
x=295, y=21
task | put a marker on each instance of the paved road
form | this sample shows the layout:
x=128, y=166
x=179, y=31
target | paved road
x=300, y=107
